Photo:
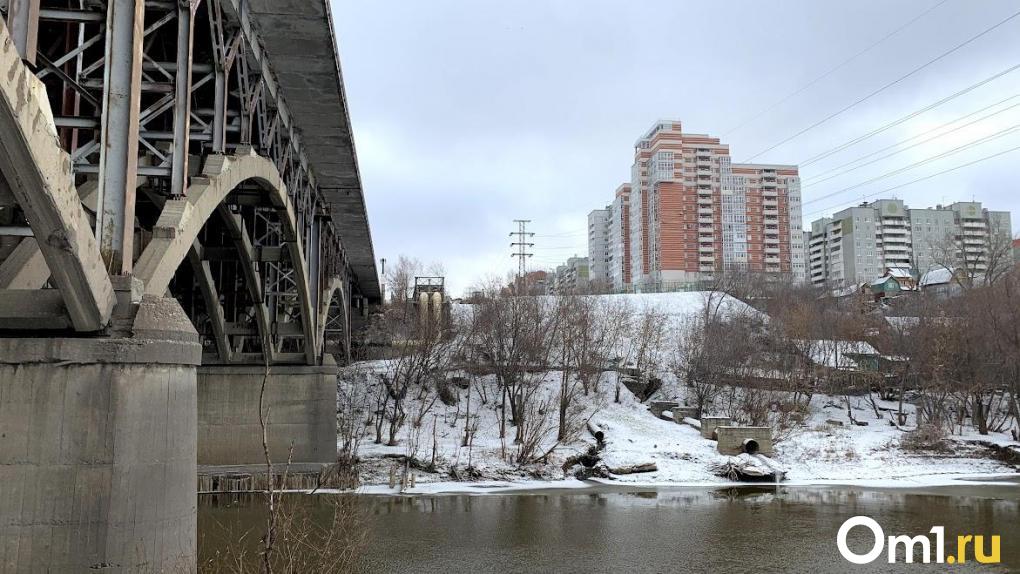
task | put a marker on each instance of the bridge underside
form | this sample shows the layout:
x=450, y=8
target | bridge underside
x=171, y=230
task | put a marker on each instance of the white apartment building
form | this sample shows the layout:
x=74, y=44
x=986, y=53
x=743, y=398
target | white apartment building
x=859, y=243
x=600, y=256
x=619, y=239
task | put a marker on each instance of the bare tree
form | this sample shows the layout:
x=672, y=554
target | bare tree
x=648, y=333
x=974, y=262
x=694, y=363
x=514, y=337
x=425, y=350
x=400, y=279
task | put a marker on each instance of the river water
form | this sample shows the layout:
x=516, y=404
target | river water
x=749, y=530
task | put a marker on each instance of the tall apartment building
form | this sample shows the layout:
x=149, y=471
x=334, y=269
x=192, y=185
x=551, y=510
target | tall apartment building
x=619, y=238
x=859, y=243
x=608, y=247
x=599, y=254
x=693, y=213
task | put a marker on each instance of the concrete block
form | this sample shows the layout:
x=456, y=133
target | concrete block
x=732, y=440
x=301, y=402
x=680, y=413
x=709, y=424
x=657, y=407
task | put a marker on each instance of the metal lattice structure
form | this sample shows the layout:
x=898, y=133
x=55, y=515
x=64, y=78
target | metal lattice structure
x=193, y=173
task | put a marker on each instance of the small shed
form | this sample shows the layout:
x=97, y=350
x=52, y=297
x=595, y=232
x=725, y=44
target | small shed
x=895, y=281
x=885, y=286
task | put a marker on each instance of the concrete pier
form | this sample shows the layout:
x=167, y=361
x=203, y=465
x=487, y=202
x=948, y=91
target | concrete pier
x=97, y=448
x=301, y=402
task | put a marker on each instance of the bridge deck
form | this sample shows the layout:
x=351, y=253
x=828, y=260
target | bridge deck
x=299, y=40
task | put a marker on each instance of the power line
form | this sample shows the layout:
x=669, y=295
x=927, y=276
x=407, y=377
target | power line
x=565, y=234
x=834, y=69
x=907, y=117
x=571, y=246
x=958, y=149
x=922, y=134
x=816, y=181
x=920, y=179
x=887, y=86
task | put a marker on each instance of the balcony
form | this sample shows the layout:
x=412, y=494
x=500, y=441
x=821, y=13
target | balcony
x=705, y=211
x=892, y=230
x=703, y=220
x=893, y=240
x=894, y=223
x=772, y=250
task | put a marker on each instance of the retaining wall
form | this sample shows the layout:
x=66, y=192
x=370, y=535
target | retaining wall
x=731, y=439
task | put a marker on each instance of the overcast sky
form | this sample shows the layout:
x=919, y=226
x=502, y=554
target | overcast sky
x=470, y=114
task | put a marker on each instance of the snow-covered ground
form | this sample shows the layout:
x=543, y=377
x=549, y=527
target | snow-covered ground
x=818, y=451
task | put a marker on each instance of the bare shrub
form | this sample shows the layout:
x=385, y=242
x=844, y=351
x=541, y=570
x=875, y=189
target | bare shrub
x=926, y=439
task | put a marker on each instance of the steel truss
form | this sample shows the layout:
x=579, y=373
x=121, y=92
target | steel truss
x=202, y=86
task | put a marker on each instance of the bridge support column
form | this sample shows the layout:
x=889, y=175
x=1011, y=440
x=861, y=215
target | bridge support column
x=97, y=448
x=300, y=401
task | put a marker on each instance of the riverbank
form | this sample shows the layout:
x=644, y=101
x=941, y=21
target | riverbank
x=598, y=485
x=825, y=447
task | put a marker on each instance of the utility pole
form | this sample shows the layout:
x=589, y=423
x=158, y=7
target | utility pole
x=382, y=287
x=522, y=244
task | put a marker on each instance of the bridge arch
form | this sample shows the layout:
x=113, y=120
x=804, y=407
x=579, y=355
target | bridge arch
x=335, y=300
x=38, y=172
x=180, y=222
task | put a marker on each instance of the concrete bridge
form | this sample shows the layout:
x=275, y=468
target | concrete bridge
x=181, y=213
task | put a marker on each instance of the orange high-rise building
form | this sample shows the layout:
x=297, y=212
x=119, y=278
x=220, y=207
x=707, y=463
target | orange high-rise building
x=694, y=213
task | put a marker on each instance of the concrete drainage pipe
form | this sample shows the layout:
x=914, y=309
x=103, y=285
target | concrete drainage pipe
x=750, y=446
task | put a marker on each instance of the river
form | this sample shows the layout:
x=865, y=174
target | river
x=749, y=530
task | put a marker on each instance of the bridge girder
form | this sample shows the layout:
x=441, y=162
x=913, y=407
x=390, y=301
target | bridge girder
x=202, y=94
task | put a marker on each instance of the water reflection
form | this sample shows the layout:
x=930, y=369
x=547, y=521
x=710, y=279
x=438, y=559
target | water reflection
x=752, y=530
